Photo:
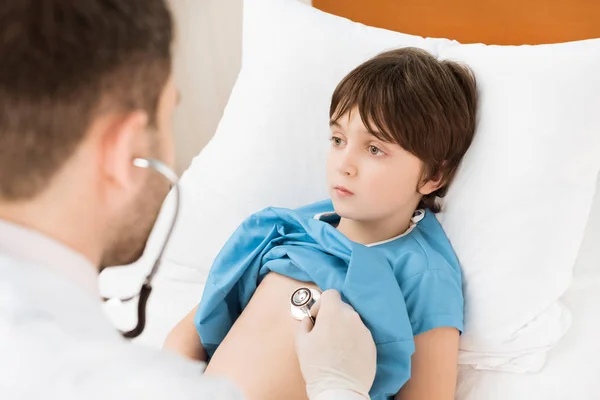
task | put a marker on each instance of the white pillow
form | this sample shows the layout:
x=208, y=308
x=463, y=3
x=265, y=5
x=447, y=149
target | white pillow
x=572, y=368
x=516, y=213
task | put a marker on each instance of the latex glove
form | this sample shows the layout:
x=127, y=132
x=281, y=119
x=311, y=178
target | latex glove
x=338, y=353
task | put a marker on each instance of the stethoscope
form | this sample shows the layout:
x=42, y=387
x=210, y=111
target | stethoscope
x=146, y=289
x=302, y=302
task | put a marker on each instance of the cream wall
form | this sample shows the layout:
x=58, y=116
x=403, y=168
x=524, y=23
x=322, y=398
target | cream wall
x=207, y=61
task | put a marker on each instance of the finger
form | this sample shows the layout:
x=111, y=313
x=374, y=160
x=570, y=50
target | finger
x=302, y=333
x=305, y=327
x=314, y=310
x=331, y=295
x=300, y=337
x=330, y=302
x=347, y=307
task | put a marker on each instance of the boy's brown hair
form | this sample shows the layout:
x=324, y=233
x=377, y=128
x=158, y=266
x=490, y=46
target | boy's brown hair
x=64, y=62
x=427, y=106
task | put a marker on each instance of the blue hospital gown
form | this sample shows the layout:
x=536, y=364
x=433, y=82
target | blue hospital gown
x=400, y=288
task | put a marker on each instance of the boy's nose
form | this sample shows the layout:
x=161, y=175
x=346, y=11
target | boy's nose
x=347, y=166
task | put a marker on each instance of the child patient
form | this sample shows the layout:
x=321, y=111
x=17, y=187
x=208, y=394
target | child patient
x=400, y=124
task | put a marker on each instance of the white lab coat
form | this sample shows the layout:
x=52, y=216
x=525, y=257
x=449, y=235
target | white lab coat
x=56, y=342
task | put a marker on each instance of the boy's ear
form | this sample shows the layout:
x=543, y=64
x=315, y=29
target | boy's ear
x=429, y=186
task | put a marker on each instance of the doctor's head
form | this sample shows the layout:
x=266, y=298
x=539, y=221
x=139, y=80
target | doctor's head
x=85, y=88
x=400, y=124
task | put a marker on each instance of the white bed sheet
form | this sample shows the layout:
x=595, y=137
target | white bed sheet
x=571, y=371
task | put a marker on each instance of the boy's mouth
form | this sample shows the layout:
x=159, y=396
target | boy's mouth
x=342, y=191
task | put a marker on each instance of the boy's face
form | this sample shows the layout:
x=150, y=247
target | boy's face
x=370, y=180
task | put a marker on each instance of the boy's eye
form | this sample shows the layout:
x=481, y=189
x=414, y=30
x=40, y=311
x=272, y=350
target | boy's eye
x=375, y=151
x=336, y=141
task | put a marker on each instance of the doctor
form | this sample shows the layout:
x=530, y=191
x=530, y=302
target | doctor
x=86, y=89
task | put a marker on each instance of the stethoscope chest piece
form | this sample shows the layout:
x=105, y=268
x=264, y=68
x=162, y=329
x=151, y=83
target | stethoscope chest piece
x=302, y=301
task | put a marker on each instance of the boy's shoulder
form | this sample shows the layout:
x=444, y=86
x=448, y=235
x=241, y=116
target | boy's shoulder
x=425, y=248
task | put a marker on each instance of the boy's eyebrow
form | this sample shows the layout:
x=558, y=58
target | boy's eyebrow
x=334, y=123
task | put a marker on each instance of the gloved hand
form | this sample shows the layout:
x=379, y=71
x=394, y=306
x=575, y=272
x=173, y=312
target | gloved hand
x=338, y=352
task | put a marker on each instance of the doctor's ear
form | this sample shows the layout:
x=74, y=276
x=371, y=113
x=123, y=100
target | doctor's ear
x=125, y=138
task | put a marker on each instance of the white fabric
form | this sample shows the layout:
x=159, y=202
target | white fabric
x=588, y=259
x=19, y=242
x=56, y=342
x=571, y=371
x=571, y=368
x=415, y=219
x=515, y=214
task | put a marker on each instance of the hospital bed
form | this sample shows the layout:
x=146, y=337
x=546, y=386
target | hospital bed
x=571, y=369
x=571, y=366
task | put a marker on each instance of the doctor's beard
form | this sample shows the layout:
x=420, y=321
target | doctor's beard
x=130, y=233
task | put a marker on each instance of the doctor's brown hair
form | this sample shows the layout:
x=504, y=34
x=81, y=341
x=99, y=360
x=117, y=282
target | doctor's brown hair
x=427, y=106
x=62, y=63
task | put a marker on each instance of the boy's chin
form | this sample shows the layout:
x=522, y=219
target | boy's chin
x=345, y=210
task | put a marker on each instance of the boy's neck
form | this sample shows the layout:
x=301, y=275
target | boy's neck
x=368, y=232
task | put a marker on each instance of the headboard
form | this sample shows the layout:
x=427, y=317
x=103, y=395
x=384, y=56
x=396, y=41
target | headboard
x=477, y=21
